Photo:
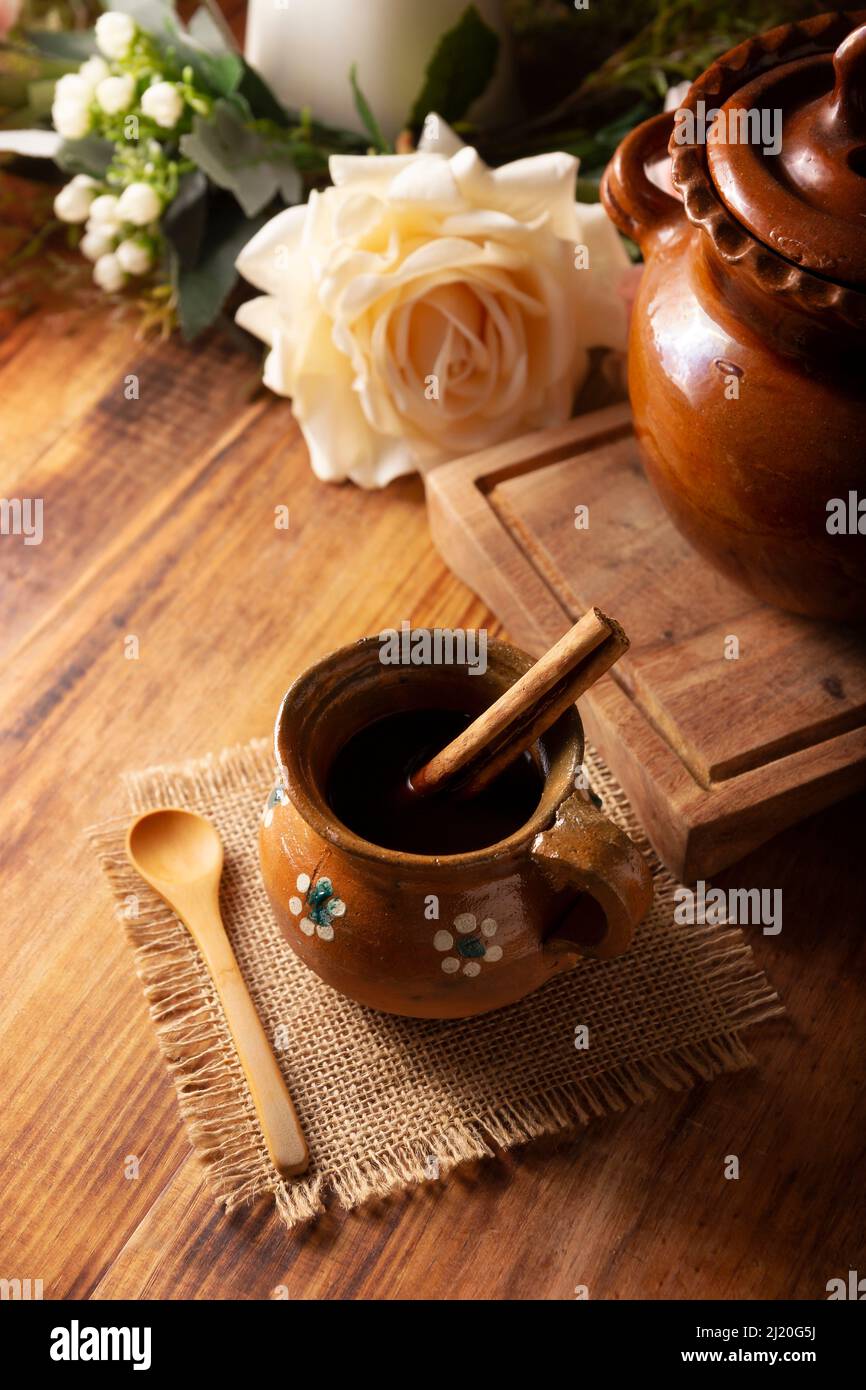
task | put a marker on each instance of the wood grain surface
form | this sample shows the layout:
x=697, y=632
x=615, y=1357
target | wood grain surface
x=159, y=523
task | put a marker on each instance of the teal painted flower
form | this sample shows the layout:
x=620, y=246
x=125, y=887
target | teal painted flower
x=323, y=905
x=473, y=944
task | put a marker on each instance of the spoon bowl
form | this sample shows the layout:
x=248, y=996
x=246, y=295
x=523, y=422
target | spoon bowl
x=175, y=846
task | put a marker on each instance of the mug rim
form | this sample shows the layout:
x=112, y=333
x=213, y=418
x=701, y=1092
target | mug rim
x=350, y=842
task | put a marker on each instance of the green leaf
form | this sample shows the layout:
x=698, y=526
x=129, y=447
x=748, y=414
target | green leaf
x=184, y=222
x=218, y=66
x=459, y=71
x=202, y=290
x=13, y=92
x=240, y=160
x=150, y=15
x=368, y=120
x=64, y=44
x=88, y=156
x=40, y=95
x=219, y=73
x=218, y=69
x=263, y=104
x=206, y=31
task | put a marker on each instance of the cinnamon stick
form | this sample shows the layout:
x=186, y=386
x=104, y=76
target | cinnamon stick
x=523, y=713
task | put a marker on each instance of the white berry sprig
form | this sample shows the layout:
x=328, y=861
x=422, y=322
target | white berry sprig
x=131, y=95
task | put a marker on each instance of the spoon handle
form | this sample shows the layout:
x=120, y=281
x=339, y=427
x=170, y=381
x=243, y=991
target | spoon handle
x=279, y=1121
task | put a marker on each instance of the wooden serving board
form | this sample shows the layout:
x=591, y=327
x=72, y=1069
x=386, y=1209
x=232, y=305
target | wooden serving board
x=717, y=754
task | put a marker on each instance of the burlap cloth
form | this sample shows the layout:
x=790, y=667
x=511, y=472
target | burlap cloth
x=388, y=1101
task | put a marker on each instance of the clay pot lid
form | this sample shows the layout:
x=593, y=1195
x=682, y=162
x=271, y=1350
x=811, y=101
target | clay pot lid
x=787, y=155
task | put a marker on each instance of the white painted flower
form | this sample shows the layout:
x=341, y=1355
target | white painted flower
x=135, y=258
x=108, y=273
x=72, y=203
x=116, y=94
x=279, y=796
x=472, y=944
x=323, y=906
x=115, y=32
x=426, y=306
x=94, y=71
x=139, y=204
x=163, y=103
x=96, y=243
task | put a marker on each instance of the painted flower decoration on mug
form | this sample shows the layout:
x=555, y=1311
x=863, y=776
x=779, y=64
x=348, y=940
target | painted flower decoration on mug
x=426, y=306
x=278, y=797
x=473, y=944
x=323, y=904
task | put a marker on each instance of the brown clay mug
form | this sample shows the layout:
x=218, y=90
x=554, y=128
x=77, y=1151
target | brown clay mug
x=443, y=936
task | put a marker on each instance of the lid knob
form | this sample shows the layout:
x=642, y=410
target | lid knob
x=805, y=198
x=847, y=106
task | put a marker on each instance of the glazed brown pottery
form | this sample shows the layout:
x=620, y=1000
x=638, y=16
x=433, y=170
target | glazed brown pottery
x=448, y=935
x=747, y=360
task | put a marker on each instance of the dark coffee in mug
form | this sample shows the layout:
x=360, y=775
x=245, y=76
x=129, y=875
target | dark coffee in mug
x=370, y=789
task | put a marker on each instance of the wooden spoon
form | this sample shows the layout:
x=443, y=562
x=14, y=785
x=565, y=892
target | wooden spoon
x=513, y=722
x=180, y=855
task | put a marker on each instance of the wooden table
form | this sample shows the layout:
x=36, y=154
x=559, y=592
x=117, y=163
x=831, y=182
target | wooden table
x=159, y=523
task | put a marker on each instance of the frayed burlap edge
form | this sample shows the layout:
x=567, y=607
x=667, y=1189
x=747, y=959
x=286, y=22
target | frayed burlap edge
x=212, y=1092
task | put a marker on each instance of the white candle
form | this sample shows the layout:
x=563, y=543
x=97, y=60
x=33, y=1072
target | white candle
x=305, y=49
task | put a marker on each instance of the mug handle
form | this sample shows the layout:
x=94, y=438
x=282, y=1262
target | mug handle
x=636, y=205
x=585, y=852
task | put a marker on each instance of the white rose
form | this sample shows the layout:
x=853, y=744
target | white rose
x=116, y=94
x=134, y=257
x=94, y=71
x=95, y=243
x=163, y=103
x=72, y=203
x=115, y=32
x=108, y=273
x=139, y=204
x=427, y=306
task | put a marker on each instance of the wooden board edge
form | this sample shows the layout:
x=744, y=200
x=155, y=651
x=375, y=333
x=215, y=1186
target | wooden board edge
x=470, y=539
x=691, y=827
x=696, y=832
x=529, y=452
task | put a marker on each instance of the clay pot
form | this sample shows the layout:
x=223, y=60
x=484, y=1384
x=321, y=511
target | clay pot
x=446, y=936
x=747, y=360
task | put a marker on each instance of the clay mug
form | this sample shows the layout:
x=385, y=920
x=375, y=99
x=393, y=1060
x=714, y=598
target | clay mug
x=565, y=885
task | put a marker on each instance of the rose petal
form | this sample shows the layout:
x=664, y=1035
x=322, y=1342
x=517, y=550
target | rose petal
x=437, y=137
x=371, y=172
x=541, y=186
x=427, y=179
x=261, y=317
x=264, y=259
